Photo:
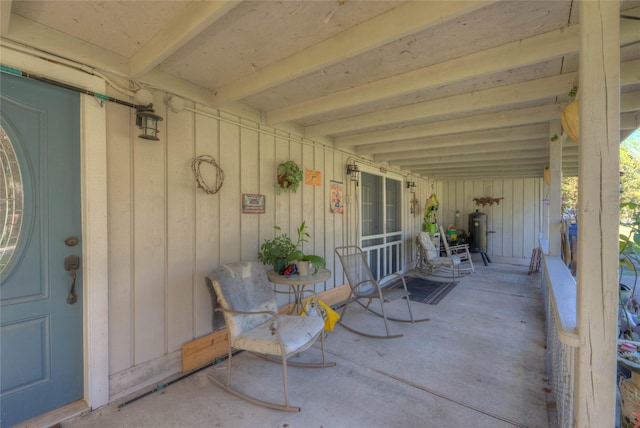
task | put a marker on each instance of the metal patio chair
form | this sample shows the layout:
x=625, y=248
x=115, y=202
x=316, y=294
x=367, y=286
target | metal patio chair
x=246, y=298
x=430, y=260
x=364, y=287
x=461, y=251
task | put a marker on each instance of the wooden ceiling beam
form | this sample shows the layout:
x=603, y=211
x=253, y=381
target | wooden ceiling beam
x=525, y=132
x=630, y=102
x=510, y=118
x=402, y=21
x=534, y=155
x=630, y=121
x=538, y=170
x=535, y=170
x=5, y=17
x=502, y=146
x=489, y=165
x=191, y=21
x=511, y=55
x=553, y=44
x=493, y=98
x=35, y=35
x=487, y=175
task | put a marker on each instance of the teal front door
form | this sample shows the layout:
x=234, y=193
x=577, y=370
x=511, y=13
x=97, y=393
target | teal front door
x=41, y=359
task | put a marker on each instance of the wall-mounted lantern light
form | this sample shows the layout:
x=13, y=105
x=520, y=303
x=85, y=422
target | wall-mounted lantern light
x=147, y=121
x=354, y=172
x=411, y=185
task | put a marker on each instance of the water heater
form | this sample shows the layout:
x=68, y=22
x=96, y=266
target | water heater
x=478, y=232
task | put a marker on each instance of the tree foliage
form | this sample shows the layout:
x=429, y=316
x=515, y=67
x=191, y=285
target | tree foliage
x=630, y=170
x=629, y=176
x=569, y=194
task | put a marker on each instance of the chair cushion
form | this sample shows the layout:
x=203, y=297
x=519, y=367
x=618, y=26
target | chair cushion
x=427, y=244
x=243, y=287
x=295, y=331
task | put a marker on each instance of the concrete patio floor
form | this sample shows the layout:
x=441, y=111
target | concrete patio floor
x=478, y=362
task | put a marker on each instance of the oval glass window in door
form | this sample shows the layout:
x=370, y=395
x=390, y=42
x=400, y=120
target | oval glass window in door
x=11, y=201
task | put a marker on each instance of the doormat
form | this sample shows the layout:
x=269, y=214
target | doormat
x=425, y=291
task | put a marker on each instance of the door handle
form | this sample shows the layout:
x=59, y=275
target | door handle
x=71, y=264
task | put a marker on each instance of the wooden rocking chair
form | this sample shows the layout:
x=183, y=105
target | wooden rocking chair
x=429, y=259
x=460, y=250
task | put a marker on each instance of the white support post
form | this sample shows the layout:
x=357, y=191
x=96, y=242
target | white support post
x=555, y=190
x=598, y=212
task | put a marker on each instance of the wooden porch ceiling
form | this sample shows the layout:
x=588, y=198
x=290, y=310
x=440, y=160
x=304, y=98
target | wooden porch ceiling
x=445, y=89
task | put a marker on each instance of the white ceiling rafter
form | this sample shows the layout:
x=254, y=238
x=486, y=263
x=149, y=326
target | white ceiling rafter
x=525, y=116
x=400, y=22
x=504, y=155
x=512, y=55
x=505, y=57
x=525, y=132
x=196, y=17
x=50, y=40
x=5, y=17
x=501, y=96
x=510, y=146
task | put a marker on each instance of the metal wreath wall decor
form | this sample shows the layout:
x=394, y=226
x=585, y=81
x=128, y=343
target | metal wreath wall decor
x=195, y=166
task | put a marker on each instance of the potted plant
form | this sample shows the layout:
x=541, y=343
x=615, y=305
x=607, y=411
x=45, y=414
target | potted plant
x=275, y=252
x=303, y=260
x=289, y=177
x=429, y=219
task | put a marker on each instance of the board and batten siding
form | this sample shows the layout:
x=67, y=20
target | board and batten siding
x=163, y=234
x=166, y=235
x=514, y=225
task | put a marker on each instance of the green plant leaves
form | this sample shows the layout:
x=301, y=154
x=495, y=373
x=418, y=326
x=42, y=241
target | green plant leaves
x=289, y=177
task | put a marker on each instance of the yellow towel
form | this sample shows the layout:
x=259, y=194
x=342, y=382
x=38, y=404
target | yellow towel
x=329, y=315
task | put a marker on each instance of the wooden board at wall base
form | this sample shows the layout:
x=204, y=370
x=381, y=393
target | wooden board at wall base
x=206, y=349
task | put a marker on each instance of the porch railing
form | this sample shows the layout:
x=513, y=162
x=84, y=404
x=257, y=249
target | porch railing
x=559, y=293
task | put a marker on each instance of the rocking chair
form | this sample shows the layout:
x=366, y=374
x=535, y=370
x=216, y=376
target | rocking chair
x=459, y=250
x=429, y=261
x=364, y=286
x=247, y=301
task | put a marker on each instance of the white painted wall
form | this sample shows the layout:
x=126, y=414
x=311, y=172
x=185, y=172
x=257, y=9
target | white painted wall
x=515, y=221
x=166, y=235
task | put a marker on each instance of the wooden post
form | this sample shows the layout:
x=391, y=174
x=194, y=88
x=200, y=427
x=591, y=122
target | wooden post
x=555, y=190
x=598, y=212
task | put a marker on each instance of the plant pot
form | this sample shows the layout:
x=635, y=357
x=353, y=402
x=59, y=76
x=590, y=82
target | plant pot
x=280, y=265
x=303, y=267
x=282, y=181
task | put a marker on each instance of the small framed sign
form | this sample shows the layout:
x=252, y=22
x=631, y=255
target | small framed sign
x=253, y=203
x=313, y=177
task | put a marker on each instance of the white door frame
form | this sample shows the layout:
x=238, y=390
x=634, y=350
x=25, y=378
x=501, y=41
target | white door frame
x=401, y=242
